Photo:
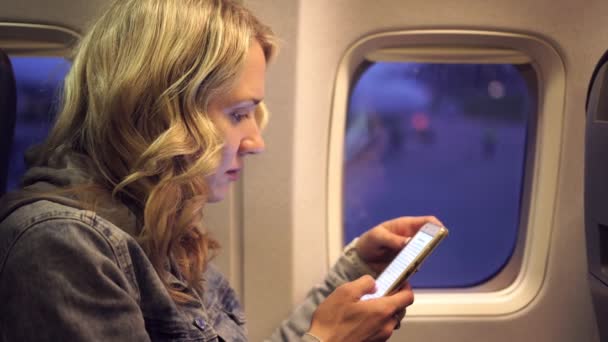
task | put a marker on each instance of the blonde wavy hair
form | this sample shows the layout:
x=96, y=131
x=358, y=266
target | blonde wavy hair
x=135, y=102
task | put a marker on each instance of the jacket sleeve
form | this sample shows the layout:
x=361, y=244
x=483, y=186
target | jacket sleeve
x=61, y=282
x=349, y=267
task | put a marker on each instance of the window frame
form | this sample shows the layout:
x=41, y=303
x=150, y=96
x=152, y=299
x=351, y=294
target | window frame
x=27, y=39
x=518, y=283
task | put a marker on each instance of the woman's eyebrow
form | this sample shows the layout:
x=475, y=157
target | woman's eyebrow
x=246, y=103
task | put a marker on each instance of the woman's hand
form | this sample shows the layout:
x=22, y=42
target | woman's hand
x=344, y=317
x=379, y=245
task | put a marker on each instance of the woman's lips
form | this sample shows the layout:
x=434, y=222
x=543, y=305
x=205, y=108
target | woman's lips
x=233, y=175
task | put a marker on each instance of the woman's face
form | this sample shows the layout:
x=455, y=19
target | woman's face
x=233, y=115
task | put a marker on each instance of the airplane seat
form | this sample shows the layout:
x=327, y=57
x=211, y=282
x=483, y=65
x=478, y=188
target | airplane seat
x=8, y=115
x=596, y=192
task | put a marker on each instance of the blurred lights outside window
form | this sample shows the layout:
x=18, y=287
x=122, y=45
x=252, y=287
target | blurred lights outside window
x=441, y=139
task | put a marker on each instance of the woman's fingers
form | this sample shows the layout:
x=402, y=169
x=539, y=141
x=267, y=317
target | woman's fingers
x=354, y=290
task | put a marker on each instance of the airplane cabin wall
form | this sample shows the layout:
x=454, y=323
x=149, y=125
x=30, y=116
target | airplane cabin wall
x=66, y=13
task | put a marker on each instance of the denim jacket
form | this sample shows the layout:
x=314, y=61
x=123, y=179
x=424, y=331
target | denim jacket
x=69, y=274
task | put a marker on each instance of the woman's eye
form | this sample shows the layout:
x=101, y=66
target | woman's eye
x=239, y=116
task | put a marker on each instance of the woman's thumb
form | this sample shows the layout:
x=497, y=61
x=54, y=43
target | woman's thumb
x=364, y=285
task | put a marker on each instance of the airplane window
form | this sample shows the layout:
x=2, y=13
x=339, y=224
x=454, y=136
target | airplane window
x=38, y=81
x=442, y=139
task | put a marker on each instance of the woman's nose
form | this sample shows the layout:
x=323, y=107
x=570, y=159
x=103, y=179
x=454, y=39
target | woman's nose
x=252, y=144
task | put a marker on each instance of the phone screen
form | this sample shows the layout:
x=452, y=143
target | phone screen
x=401, y=262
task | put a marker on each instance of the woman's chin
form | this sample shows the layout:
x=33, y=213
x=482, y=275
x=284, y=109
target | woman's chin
x=217, y=195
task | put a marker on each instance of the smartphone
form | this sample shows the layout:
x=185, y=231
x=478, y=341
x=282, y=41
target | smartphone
x=408, y=260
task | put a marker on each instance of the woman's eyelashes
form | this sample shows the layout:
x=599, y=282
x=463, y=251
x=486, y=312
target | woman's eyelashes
x=242, y=111
x=245, y=112
x=240, y=116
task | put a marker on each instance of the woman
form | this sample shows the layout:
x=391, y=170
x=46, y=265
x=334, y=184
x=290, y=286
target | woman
x=162, y=104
